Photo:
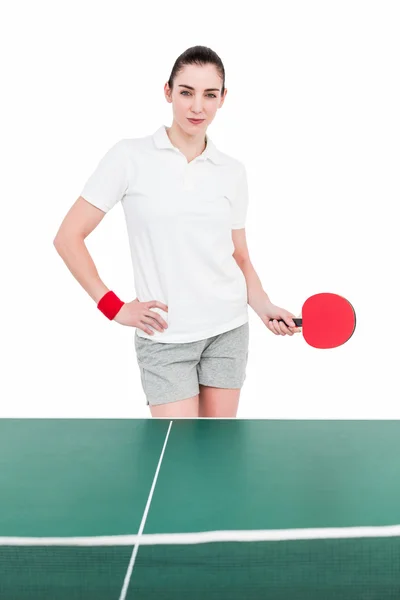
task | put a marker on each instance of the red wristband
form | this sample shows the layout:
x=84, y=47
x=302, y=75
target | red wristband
x=110, y=305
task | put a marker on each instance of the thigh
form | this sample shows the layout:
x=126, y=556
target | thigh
x=224, y=359
x=168, y=371
x=181, y=408
x=218, y=402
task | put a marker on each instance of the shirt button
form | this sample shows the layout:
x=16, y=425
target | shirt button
x=187, y=179
x=188, y=185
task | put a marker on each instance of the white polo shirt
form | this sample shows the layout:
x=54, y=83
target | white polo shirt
x=179, y=217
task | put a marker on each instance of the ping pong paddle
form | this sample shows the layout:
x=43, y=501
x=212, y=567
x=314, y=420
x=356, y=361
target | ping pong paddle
x=328, y=320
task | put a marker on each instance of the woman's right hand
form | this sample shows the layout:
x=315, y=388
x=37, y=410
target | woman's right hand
x=137, y=314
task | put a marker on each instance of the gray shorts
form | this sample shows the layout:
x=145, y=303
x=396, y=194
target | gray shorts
x=171, y=372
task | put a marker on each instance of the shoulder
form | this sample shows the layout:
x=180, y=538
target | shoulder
x=233, y=163
x=137, y=143
x=136, y=147
x=235, y=170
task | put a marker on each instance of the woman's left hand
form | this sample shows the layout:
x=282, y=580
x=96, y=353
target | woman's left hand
x=266, y=311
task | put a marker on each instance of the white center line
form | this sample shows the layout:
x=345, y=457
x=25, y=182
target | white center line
x=142, y=524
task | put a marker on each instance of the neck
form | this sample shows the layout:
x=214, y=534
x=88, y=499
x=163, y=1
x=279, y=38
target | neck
x=189, y=145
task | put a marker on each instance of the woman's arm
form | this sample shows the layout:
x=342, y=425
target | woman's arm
x=81, y=219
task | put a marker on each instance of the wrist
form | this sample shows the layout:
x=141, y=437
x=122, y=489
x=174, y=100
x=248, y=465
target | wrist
x=110, y=305
x=255, y=296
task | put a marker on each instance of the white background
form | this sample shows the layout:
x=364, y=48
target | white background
x=312, y=110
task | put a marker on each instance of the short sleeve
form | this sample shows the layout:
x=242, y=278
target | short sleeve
x=109, y=181
x=240, y=200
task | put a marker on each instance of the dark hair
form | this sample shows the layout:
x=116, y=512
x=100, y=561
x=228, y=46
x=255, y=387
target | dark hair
x=198, y=55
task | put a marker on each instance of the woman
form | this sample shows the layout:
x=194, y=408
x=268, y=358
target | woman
x=185, y=204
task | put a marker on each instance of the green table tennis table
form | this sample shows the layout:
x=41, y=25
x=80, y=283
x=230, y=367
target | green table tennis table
x=135, y=509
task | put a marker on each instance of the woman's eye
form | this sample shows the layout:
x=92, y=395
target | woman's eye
x=186, y=92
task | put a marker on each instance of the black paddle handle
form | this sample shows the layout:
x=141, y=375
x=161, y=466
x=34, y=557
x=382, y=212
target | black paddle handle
x=297, y=321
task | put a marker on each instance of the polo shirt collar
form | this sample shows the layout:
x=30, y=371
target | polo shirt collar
x=161, y=140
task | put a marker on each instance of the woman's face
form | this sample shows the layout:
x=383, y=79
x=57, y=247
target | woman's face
x=202, y=102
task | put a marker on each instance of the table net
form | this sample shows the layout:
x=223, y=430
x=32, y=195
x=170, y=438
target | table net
x=327, y=564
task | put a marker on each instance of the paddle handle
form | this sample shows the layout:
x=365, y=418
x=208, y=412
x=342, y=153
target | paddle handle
x=298, y=322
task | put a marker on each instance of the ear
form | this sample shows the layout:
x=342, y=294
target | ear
x=223, y=96
x=167, y=92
